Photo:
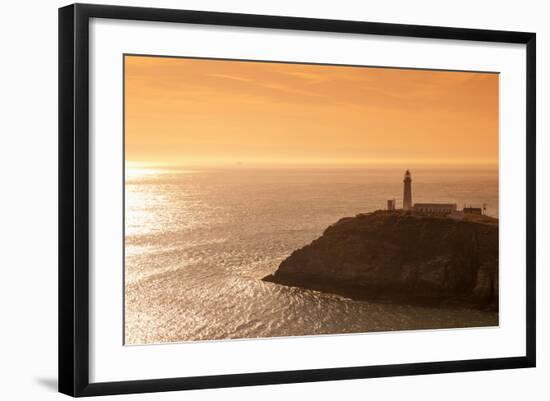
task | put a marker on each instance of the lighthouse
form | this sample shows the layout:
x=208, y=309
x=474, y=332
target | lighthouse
x=407, y=191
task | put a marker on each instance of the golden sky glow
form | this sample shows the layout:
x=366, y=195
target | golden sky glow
x=212, y=112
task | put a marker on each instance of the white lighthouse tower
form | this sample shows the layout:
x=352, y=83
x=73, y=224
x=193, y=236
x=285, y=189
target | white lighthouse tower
x=407, y=191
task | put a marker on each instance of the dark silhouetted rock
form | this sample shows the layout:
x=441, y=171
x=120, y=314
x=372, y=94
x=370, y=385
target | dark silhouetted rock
x=401, y=257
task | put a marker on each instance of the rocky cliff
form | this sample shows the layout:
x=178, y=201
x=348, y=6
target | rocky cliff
x=400, y=257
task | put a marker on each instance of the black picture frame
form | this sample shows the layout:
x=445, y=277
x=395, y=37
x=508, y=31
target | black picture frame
x=74, y=198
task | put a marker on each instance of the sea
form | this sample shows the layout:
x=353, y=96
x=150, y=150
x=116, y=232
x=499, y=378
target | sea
x=198, y=242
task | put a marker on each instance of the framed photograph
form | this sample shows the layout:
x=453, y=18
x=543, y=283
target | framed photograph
x=250, y=199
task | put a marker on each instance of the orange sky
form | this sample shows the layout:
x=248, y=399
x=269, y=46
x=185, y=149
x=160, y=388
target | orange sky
x=213, y=112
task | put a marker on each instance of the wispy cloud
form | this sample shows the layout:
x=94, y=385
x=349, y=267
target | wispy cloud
x=309, y=78
x=230, y=77
x=288, y=89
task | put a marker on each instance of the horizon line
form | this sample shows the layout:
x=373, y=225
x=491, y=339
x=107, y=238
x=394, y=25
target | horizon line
x=243, y=164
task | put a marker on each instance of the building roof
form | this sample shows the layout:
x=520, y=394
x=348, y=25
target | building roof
x=435, y=204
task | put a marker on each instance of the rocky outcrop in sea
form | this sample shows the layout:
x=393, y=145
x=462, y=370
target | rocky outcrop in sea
x=401, y=257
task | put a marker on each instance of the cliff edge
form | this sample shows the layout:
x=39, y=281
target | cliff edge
x=401, y=257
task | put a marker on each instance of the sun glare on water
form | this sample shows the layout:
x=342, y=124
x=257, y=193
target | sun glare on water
x=133, y=172
x=137, y=171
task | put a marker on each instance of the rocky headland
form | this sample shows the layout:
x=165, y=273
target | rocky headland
x=403, y=258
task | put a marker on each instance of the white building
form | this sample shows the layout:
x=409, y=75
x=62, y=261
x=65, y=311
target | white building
x=444, y=209
x=435, y=208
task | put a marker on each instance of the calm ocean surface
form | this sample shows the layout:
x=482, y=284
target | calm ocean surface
x=198, y=243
